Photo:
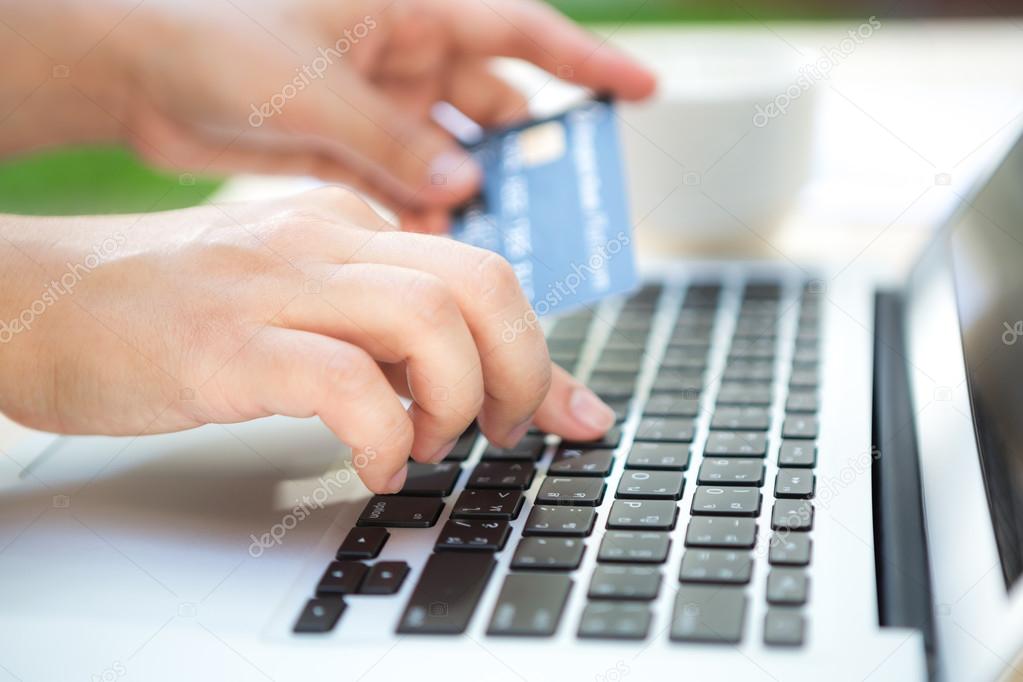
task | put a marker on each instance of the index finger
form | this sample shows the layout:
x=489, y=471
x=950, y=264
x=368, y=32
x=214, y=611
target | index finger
x=512, y=350
x=540, y=34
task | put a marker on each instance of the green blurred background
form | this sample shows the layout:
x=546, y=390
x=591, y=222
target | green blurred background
x=110, y=180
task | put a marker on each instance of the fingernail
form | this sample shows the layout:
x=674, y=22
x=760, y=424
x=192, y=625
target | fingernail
x=591, y=410
x=398, y=480
x=454, y=170
x=442, y=452
x=516, y=434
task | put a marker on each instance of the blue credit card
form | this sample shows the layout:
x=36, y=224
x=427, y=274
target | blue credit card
x=553, y=203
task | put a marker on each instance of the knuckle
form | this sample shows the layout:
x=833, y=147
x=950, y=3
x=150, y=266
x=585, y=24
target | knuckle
x=431, y=301
x=537, y=378
x=348, y=370
x=494, y=278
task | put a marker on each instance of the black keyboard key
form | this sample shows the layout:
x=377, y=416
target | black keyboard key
x=642, y=515
x=619, y=360
x=384, y=577
x=615, y=620
x=581, y=492
x=611, y=439
x=797, y=453
x=701, y=296
x=679, y=382
x=463, y=448
x=787, y=586
x=621, y=407
x=582, y=462
x=341, y=577
x=749, y=370
x=502, y=475
x=783, y=627
x=806, y=355
x=529, y=449
x=362, y=543
x=395, y=511
x=789, y=549
x=431, y=480
x=735, y=444
x=708, y=613
x=726, y=501
x=473, y=535
x=745, y=393
x=799, y=426
x=631, y=546
x=320, y=614
x=802, y=401
x=761, y=292
x=560, y=520
x=792, y=515
x=625, y=582
x=731, y=471
x=794, y=483
x=736, y=418
x=626, y=340
x=488, y=504
x=665, y=429
x=716, y=566
x=551, y=554
x=752, y=349
x=716, y=531
x=685, y=364
x=666, y=456
x=571, y=329
x=530, y=604
x=671, y=405
x=803, y=377
x=613, y=385
x=683, y=353
x=446, y=595
x=636, y=484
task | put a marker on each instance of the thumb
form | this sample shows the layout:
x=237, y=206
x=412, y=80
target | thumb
x=410, y=159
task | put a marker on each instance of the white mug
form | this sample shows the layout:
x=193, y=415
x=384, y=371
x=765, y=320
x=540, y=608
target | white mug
x=719, y=154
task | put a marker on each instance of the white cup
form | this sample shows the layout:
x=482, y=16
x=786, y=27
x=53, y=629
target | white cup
x=718, y=156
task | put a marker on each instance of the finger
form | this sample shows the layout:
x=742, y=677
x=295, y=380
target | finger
x=573, y=411
x=166, y=144
x=400, y=315
x=415, y=48
x=538, y=33
x=412, y=160
x=484, y=97
x=512, y=351
x=300, y=374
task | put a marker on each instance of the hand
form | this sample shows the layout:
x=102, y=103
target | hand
x=308, y=306
x=338, y=89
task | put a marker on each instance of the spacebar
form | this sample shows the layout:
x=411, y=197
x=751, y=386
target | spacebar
x=447, y=593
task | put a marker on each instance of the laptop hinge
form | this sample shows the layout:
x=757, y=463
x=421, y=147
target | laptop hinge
x=900, y=541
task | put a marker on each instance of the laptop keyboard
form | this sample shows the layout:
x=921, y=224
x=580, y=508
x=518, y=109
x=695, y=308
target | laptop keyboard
x=620, y=496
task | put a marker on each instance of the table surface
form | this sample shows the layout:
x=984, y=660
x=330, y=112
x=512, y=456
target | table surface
x=905, y=124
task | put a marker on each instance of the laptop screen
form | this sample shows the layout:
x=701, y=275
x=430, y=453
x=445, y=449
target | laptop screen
x=986, y=243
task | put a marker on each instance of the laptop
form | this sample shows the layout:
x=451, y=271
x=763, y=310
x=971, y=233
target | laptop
x=809, y=479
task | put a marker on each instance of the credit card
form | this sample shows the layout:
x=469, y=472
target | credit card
x=553, y=203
